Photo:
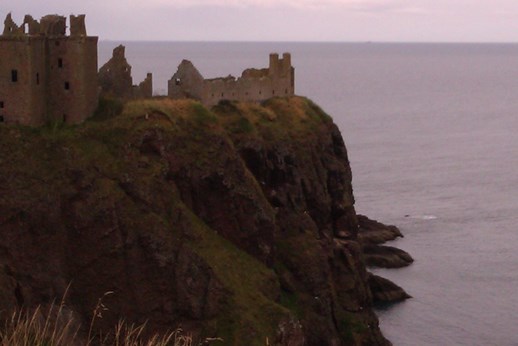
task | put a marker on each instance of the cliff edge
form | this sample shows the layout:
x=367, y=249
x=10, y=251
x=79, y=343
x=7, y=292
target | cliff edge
x=236, y=223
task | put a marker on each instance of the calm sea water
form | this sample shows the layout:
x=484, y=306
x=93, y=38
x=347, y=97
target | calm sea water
x=431, y=133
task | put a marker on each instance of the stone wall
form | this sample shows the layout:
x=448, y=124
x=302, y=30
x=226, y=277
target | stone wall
x=254, y=85
x=116, y=81
x=46, y=75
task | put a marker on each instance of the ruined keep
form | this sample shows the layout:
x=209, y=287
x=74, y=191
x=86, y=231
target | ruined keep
x=115, y=78
x=254, y=85
x=46, y=75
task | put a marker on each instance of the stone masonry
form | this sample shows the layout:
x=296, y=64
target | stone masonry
x=116, y=82
x=46, y=75
x=254, y=85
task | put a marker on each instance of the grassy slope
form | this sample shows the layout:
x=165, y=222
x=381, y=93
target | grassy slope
x=34, y=162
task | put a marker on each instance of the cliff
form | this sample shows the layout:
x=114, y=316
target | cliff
x=236, y=223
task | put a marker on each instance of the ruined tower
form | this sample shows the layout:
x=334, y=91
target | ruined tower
x=116, y=81
x=46, y=75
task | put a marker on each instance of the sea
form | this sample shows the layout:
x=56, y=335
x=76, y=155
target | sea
x=431, y=132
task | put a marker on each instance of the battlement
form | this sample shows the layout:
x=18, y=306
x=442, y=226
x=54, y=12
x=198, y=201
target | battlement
x=45, y=74
x=49, y=26
x=254, y=85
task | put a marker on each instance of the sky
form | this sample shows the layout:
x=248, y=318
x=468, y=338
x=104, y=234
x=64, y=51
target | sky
x=286, y=20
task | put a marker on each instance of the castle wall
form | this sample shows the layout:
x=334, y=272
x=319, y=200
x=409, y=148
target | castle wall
x=55, y=74
x=145, y=88
x=254, y=85
x=22, y=80
x=72, y=82
x=116, y=82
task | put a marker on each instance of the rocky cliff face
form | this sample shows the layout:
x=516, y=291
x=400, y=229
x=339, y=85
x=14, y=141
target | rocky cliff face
x=237, y=223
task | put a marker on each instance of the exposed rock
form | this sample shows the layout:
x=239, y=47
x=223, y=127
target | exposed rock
x=385, y=291
x=385, y=256
x=237, y=223
x=374, y=232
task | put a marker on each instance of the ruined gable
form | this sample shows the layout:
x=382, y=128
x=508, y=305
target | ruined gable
x=187, y=82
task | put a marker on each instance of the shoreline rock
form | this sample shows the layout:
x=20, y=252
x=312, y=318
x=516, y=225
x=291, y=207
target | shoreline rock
x=371, y=235
x=385, y=291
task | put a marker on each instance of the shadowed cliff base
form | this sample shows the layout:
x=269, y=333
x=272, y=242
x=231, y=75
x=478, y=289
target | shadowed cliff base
x=236, y=222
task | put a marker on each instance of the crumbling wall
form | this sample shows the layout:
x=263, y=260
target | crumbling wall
x=145, y=89
x=116, y=81
x=254, y=85
x=115, y=76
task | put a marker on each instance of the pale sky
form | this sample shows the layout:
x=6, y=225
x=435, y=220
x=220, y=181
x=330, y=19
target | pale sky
x=286, y=20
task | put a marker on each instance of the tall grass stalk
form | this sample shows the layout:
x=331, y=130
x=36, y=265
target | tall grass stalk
x=58, y=328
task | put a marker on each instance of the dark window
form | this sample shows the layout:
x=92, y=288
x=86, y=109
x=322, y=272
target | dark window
x=38, y=78
x=60, y=63
x=260, y=92
x=64, y=118
x=273, y=92
x=1, y=118
x=67, y=86
x=212, y=95
x=222, y=94
x=57, y=43
x=286, y=91
x=1, y=104
x=14, y=75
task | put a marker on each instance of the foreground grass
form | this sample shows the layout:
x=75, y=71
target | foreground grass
x=59, y=328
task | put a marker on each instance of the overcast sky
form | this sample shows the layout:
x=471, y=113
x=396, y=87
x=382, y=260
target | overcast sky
x=286, y=20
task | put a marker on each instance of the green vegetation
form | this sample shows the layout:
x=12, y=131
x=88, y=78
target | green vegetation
x=125, y=158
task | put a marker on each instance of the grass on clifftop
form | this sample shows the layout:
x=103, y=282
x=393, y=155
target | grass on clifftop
x=104, y=150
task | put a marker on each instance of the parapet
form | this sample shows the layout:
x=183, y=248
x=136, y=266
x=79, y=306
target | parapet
x=50, y=26
x=53, y=25
x=77, y=25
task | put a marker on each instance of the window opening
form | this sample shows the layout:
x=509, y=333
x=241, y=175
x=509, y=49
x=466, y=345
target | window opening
x=14, y=75
x=37, y=78
x=60, y=63
x=67, y=86
x=1, y=104
x=1, y=118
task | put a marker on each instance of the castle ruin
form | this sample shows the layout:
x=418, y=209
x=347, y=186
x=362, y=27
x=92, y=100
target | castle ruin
x=254, y=85
x=116, y=82
x=46, y=75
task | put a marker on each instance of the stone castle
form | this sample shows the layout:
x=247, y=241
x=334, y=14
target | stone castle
x=47, y=75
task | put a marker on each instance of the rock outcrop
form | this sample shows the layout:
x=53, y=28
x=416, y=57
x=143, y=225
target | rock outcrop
x=371, y=235
x=236, y=223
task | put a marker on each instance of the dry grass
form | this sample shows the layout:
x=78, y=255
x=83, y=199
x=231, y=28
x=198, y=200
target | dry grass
x=58, y=327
